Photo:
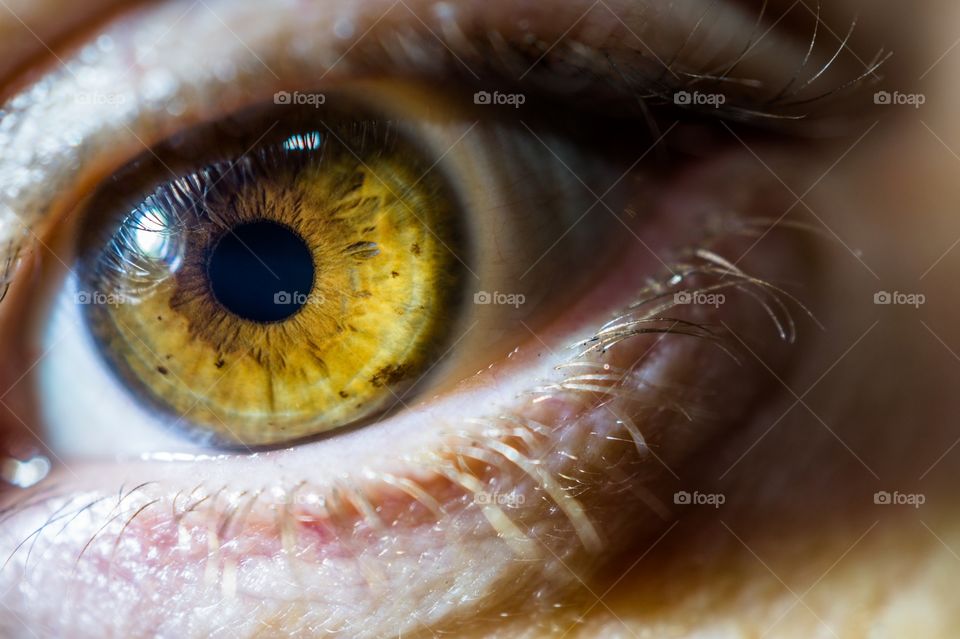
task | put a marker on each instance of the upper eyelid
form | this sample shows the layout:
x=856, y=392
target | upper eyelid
x=31, y=29
x=506, y=36
x=36, y=170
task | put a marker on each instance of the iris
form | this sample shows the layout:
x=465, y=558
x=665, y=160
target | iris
x=285, y=288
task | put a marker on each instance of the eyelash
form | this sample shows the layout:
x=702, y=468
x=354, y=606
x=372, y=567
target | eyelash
x=748, y=101
x=641, y=95
x=160, y=211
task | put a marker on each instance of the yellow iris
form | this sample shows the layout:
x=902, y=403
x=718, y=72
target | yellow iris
x=343, y=332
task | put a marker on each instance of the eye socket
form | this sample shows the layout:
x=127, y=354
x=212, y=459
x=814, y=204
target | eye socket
x=333, y=270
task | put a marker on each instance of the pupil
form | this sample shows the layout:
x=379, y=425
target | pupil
x=261, y=271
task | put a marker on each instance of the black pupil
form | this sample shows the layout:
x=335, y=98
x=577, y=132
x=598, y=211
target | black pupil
x=261, y=271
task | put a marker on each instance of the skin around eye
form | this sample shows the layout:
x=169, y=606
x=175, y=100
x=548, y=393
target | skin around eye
x=473, y=500
x=490, y=507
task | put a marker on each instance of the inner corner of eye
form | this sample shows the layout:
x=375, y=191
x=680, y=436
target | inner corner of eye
x=277, y=293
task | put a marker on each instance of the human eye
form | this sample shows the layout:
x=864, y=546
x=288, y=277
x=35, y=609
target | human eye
x=318, y=271
x=381, y=320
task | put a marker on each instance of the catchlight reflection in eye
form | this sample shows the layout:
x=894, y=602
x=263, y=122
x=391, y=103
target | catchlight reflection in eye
x=280, y=293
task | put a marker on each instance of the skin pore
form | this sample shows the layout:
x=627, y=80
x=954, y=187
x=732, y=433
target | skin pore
x=800, y=546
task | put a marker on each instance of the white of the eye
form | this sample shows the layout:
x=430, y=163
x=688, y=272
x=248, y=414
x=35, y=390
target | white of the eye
x=85, y=408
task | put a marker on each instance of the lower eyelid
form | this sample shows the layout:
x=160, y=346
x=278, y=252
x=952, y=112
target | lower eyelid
x=528, y=478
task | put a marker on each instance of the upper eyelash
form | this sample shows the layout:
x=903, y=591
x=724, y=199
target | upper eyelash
x=123, y=259
x=750, y=101
x=638, y=91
